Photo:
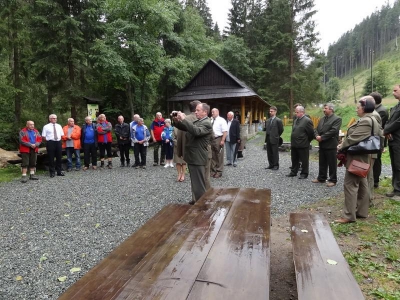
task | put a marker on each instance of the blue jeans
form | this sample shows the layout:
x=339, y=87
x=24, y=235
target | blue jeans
x=77, y=154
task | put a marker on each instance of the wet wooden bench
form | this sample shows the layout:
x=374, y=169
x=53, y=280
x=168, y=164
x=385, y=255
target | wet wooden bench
x=218, y=248
x=313, y=245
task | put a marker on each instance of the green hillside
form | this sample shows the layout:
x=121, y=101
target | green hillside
x=392, y=60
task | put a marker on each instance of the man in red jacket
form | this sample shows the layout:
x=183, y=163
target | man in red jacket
x=29, y=141
x=156, y=128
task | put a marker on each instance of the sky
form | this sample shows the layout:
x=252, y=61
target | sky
x=333, y=18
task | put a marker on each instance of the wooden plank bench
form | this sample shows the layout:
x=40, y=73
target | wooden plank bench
x=313, y=245
x=217, y=249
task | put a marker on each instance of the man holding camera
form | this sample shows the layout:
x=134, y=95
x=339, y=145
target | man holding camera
x=197, y=138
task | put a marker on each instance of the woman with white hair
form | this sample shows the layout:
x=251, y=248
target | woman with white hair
x=167, y=137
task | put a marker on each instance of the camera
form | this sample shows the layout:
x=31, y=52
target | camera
x=174, y=114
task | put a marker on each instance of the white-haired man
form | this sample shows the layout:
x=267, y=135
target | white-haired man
x=52, y=133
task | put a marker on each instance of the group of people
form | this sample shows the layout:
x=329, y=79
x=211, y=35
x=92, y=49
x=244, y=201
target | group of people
x=373, y=120
x=196, y=141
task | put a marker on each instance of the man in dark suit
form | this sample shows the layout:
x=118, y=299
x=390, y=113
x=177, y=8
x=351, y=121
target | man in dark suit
x=383, y=113
x=197, y=140
x=392, y=133
x=302, y=135
x=232, y=139
x=327, y=134
x=274, y=129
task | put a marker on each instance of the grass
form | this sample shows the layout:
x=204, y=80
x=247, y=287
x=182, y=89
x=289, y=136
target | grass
x=373, y=248
x=9, y=173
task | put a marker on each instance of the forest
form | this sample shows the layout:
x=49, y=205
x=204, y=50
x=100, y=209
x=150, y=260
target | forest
x=135, y=54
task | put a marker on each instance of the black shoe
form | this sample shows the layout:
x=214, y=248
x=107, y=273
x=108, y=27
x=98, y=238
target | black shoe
x=291, y=175
x=392, y=194
x=269, y=167
x=303, y=177
x=376, y=184
x=33, y=177
x=192, y=202
x=61, y=174
x=228, y=164
x=162, y=163
x=128, y=164
x=275, y=168
x=122, y=165
x=52, y=175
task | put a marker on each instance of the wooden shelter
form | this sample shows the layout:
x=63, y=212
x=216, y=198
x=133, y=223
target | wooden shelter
x=218, y=88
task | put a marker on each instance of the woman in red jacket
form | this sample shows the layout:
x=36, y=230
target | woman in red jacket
x=104, y=139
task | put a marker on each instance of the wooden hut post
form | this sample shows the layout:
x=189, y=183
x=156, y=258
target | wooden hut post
x=242, y=110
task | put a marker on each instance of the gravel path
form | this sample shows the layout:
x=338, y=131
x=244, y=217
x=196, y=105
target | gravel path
x=53, y=225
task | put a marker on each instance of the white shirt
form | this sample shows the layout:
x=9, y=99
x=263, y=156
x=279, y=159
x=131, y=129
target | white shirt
x=48, y=132
x=219, y=126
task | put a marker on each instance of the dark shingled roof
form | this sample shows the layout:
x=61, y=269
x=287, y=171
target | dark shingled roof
x=214, y=82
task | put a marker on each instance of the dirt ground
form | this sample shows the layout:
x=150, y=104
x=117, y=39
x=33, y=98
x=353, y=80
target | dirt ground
x=283, y=278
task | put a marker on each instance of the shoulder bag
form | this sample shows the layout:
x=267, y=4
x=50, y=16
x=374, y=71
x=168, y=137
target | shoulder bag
x=370, y=145
x=359, y=168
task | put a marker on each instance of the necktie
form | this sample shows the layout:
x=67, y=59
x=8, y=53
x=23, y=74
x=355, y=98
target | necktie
x=55, y=132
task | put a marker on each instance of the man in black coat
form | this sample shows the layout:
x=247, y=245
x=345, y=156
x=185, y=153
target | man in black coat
x=122, y=132
x=392, y=133
x=383, y=112
x=274, y=129
x=302, y=135
x=232, y=139
x=327, y=134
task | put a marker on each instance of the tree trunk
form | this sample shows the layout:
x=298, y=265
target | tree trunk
x=17, y=80
x=129, y=98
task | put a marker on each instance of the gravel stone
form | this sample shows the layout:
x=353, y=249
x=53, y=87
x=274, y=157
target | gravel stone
x=50, y=226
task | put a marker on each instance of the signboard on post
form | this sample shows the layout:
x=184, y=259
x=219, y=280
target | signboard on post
x=93, y=111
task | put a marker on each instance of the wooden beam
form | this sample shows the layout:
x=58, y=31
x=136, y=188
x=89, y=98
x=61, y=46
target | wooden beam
x=243, y=110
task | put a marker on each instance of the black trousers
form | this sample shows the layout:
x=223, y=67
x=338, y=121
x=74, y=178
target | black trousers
x=157, y=145
x=124, y=152
x=141, y=150
x=272, y=154
x=103, y=147
x=300, y=155
x=89, y=152
x=54, y=150
x=377, y=169
x=394, y=152
x=327, y=160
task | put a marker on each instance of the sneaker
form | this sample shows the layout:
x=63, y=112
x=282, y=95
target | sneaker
x=85, y=168
x=33, y=177
x=144, y=167
x=24, y=179
x=69, y=169
x=137, y=167
x=77, y=169
x=166, y=166
x=94, y=167
x=155, y=164
x=171, y=165
x=330, y=184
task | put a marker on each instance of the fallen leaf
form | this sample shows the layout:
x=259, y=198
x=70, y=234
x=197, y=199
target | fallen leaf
x=97, y=225
x=66, y=215
x=18, y=278
x=44, y=257
x=331, y=262
x=74, y=270
x=62, y=278
x=304, y=230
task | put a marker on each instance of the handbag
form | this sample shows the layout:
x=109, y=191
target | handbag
x=359, y=168
x=370, y=145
